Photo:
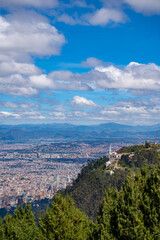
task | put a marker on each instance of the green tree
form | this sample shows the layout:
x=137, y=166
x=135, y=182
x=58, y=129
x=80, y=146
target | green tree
x=64, y=221
x=133, y=212
x=2, y=231
x=147, y=145
x=103, y=229
x=21, y=226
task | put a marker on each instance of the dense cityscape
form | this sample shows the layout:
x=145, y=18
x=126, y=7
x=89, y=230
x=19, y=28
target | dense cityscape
x=32, y=172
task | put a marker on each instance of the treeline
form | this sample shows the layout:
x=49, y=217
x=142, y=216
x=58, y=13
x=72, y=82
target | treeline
x=129, y=214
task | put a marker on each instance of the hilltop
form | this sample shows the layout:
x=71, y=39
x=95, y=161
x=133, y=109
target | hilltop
x=89, y=188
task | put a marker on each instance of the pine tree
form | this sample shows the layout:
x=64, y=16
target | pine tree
x=21, y=226
x=2, y=231
x=151, y=202
x=126, y=217
x=134, y=212
x=103, y=229
x=64, y=221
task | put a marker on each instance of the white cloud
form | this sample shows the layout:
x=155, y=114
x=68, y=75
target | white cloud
x=80, y=114
x=57, y=115
x=16, y=84
x=139, y=111
x=104, y=16
x=10, y=105
x=83, y=102
x=142, y=6
x=91, y=62
x=100, y=17
x=4, y=114
x=145, y=6
x=80, y=3
x=29, y=33
x=112, y=3
x=13, y=67
x=41, y=81
x=133, y=76
x=24, y=34
x=28, y=3
x=31, y=115
x=68, y=80
x=134, y=111
x=29, y=105
x=128, y=111
x=112, y=11
x=65, y=18
x=40, y=117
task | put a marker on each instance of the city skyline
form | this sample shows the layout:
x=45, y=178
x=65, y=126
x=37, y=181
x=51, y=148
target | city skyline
x=80, y=62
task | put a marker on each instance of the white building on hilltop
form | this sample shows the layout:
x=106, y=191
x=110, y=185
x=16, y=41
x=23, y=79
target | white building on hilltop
x=108, y=163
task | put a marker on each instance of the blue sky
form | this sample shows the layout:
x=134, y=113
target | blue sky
x=82, y=62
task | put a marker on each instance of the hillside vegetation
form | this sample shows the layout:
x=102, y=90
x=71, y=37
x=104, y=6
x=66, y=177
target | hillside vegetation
x=142, y=154
x=89, y=187
x=128, y=210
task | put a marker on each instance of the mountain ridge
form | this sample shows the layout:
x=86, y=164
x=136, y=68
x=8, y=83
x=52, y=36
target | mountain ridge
x=68, y=131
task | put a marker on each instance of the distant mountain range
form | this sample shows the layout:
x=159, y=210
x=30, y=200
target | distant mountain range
x=74, y=132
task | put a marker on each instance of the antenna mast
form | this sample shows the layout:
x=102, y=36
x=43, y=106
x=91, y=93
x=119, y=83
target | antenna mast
x=140, y=140
x=157, y=138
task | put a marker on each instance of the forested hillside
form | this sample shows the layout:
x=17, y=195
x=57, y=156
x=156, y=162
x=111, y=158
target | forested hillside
x=118, y=206
x=89, y=187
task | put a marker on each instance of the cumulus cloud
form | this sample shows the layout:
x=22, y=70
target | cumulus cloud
x=24, y=34
x=141, y=6
x=92, y=62
x=99, y=17
x=41, y=81
x=104, y=16
x=83, y=102
x=145, y=6
x=31, y=115
x=80, y=114
x=16, y=84
x=29, y=105
x=12, y=67
x=57, y=115
x=136, y=110
x=139, y=111
x=65, y=18
x=68, y=80
x=21, y=114
x=29, y=33
x=28, y=3
x=112, y=11
x=10, y=105
x=133, y=76
x=4, y=114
